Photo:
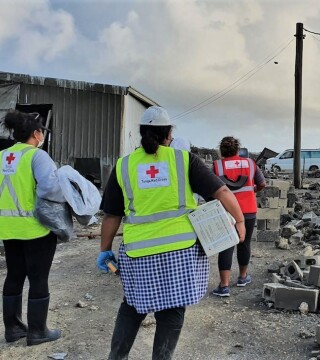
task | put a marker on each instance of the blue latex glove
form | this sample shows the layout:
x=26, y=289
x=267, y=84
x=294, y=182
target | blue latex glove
x=103, y=257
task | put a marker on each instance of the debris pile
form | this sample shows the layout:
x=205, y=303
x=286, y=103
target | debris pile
x=295, y=285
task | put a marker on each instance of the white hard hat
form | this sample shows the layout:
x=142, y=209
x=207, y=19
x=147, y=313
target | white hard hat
x=155, y=116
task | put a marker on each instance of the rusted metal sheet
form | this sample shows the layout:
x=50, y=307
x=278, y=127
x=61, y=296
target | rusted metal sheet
x=89, y=119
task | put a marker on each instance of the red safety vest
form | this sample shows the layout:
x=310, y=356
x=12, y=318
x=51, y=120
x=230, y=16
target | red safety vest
x=234, y=166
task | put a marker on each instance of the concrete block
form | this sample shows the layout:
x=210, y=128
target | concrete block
x=305, y=261
x=314, y=275
x=309, y=216
x=261, y=224
x=268, y=214
x=283, y=203
x=282, y=185
x=292, y=198
x=305, y=275
x=296, y=238
x=273, y=224
x=297, y=284
x=286, y=210
x=272, y=202
x=283, y=194
x=298, y=224
x=277, y=279
x=270, y=192
x=269, y=291
x=290, y=298
x=268, y=235
x=293, y=271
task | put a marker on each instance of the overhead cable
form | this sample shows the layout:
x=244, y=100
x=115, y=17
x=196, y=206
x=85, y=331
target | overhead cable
x=312, y=32
x=235, y=84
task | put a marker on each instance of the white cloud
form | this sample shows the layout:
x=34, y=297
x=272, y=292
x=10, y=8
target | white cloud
x=38, y=32
x=180, y=53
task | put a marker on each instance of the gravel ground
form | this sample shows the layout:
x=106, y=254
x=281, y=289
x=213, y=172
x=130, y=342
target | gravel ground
x=236, y=328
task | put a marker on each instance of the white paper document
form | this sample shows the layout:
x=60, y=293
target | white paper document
x=214, y=227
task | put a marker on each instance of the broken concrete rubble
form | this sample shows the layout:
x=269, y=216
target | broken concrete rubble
x=291, y=285
x=293, y=271
x=290, y=298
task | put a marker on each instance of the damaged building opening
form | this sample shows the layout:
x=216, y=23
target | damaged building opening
x=90, y=169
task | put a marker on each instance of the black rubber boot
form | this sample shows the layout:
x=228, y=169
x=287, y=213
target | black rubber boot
x=169, y=325
x=38, y=332
x=165, y=342
x=12, y=311
x=125, y=331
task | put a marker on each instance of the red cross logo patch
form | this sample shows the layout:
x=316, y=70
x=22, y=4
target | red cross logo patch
x=10, y=162
x=153, y=175
x=152, y=172
x=10, y=158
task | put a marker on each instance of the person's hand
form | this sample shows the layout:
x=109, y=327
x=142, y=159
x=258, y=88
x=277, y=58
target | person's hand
x=103, y=257
x=241, y=229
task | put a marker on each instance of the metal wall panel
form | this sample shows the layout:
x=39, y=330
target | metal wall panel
x=86, y=124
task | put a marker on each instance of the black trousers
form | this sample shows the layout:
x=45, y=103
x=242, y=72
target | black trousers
x=32, y=259
x=243, y=249
x=169, y=325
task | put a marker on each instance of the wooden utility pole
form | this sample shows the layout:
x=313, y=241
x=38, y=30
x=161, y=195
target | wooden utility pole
x=297, y=106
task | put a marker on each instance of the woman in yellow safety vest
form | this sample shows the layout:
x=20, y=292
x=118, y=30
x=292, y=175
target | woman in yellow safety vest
x=162, y=266
x=25, y=172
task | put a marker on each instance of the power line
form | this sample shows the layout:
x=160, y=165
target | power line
x=235, y=84
x=312, y=32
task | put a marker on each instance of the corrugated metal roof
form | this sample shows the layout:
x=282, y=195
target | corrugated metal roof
x=63, y=83
x=88, y=117
x=77, y=85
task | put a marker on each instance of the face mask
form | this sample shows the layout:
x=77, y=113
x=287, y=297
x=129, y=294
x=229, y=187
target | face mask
x=40, y=143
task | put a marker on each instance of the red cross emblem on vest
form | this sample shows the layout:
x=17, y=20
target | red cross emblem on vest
x=10, y=158
x=152, y=172
x=237, y=163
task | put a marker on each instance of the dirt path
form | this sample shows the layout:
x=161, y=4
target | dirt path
x=240, y=327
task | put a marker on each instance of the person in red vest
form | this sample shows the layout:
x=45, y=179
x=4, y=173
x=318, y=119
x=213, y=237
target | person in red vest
x=244, y=179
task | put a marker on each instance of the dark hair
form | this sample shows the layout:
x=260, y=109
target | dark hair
x=153, y=136
x=21, y=125
x=229, y=146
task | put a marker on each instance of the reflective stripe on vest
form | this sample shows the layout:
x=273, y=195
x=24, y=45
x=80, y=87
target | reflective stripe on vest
x=131, y=218
x=157, y=223
x=251, y=175
x=159, y=241
x=7, y=182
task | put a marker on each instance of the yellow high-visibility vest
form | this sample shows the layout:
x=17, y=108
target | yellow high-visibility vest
x=157, y=199
x=18, y=195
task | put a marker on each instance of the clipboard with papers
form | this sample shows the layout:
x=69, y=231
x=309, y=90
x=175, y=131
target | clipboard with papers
x=214, y=227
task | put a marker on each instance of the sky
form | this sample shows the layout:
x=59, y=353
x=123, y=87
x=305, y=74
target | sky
x=219, y=67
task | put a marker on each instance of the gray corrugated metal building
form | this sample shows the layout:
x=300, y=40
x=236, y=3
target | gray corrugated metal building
x=90, y=123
